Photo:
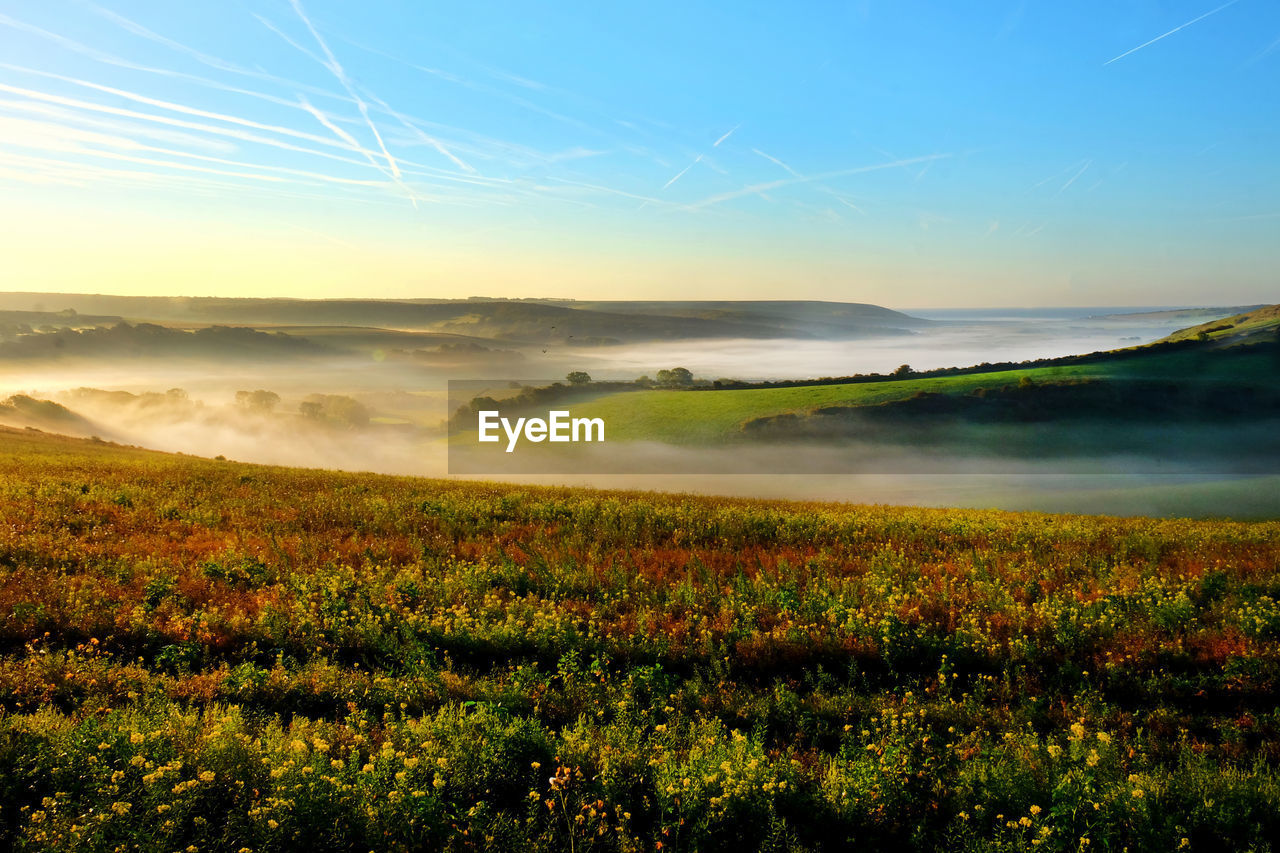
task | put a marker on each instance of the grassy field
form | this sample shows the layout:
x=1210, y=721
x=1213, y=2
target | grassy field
x=1256, y=323
x=203, y=655
x=682, y=417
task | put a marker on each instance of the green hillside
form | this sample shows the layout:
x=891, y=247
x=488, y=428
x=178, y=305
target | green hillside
x=1260, y=324
x=700, y=416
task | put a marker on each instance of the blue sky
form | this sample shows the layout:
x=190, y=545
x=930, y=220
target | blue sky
x=909, y=154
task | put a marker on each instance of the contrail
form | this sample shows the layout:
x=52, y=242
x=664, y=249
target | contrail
x=70, y=118
x=1172, y=31
x=79, y=174
x=203, y=58
x=796, y=174
x=336, y=68
x=843, y=200
x=141, y=31
x=1044, y=181
x=224, y=65
x=425, y=137
x=339, y=132
x=288, y=39
x=62, y=109
x=612, y=191
x=175, y=122
x=777, y=162
x=698, y=159
x=716, y=144
x=1076, y=176
x=120, y=62
x=680, y=174
x=181, y=108
x=772, y=185
x=50, y=136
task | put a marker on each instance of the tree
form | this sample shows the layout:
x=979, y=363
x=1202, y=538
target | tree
x=579, y=377
x=676, y=377
x=335, y=408
x=258, y=401
x=903, y=370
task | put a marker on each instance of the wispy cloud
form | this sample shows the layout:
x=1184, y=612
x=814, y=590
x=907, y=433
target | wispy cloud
x=1172, y=31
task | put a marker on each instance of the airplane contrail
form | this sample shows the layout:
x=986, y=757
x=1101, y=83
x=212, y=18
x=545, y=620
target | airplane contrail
x=425, y=137
x=777, y=162
x=336, y=68
x=1172, y=31
x=716, y=144
x=339, y=132
x=188, y=125
x=680, y=174
x=755, y=189
x=1076, y=176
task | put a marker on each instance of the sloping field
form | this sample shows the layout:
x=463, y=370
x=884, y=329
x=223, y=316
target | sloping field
x=211, y=655
x=713, y=415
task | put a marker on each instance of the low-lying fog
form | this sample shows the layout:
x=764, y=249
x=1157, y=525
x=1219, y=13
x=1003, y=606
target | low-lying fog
x=404, y=405
x=959, y=340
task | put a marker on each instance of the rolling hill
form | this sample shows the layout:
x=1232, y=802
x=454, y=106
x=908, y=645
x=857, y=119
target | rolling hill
x=203, y=654
x=1259, y=324
x=693, y=416
x=508, y=321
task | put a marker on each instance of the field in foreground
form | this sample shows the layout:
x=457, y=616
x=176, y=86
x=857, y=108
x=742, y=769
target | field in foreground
x=214, y=656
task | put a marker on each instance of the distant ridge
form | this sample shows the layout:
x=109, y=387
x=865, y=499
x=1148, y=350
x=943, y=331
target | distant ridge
x=1185, y=314
x=511, y=321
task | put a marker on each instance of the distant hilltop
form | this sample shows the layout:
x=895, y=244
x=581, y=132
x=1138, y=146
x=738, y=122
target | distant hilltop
x=515, y=321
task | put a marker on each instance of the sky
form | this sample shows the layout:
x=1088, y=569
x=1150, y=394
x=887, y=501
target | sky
x=907, y=154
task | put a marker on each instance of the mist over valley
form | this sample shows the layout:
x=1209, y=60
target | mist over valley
x=319, y=383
